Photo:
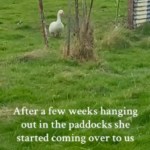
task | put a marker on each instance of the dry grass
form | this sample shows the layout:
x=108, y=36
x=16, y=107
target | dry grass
x=33, y=55
x=82, y=48
x=115, y=38
x=6, y=112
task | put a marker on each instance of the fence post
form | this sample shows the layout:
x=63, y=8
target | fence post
x=69, y=26
x=44, y=30
x=130, y=13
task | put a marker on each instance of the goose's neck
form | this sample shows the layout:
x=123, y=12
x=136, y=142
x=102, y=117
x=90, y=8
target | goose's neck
x=58, y=18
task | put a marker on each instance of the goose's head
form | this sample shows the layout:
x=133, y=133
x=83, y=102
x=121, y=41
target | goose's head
x=60, y=12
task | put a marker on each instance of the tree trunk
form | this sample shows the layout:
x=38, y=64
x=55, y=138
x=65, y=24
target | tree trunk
x=44, y=30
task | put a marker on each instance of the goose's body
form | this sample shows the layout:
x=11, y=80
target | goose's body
x=56, y=27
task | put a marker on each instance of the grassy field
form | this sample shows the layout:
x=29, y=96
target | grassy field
x=33, y=76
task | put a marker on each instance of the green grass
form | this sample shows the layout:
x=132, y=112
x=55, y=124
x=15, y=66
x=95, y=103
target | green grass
x=38, y=78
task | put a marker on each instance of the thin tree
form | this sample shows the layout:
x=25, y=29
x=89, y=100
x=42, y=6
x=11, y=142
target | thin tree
x=44, y=30
x=84, y=8
x=117, y=11
x=69, y=27
x=89, y=14
x=77, y=28
x=82, y=41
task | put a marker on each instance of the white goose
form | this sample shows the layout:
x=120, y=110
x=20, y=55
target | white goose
x=56, y=27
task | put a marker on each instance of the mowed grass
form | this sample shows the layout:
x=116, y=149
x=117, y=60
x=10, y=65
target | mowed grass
x=33, y=76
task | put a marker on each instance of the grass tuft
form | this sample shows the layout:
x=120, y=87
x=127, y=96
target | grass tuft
x=115, y=39
x=145, y=43
x=144, y=29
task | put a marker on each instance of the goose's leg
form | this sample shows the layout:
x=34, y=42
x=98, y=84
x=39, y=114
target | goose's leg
x=55, y=34
x=52, y=34
x=58, y=34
